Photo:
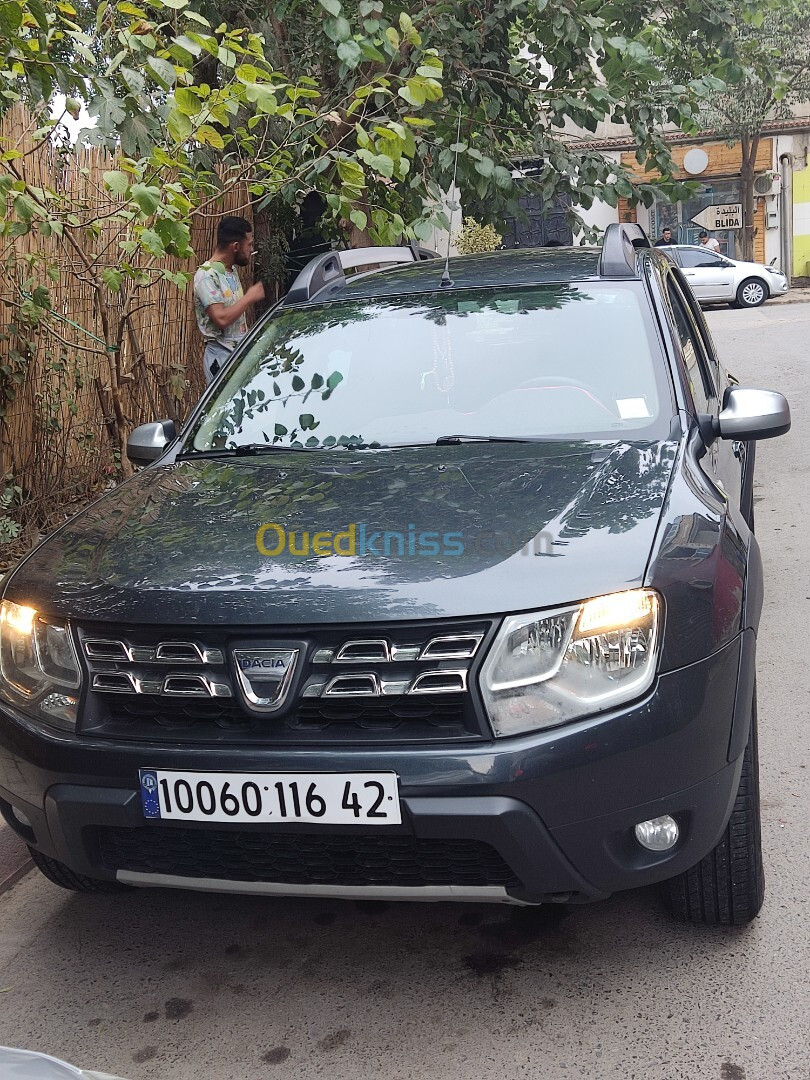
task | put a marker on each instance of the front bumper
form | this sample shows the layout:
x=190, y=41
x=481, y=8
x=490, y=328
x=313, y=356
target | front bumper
x=778, y=286
x=558, y=807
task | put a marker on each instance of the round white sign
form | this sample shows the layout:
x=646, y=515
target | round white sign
x=695, y=160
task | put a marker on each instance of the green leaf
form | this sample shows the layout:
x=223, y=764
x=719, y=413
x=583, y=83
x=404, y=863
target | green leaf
x=162, y=71
x=334, y=379
x=146, y=198
x=350, y=173
x=139, y=134
x=350, y=53
x=179, y=126
x=413, y=92
x=151, y=240
x=332, y=6
x=112, y=278
x=371, y=52
x=382, y=164
x=187, y=101
x=134, y=80
x=306, y=421
x=280, y=430
x=418, y=121
x=337, y=29
x=297, y=383
x=175, y=4
x=38, y=11
x=207, y=134
x=392, y=36
x=358, y=218
x=117, y=182
x=248, y=73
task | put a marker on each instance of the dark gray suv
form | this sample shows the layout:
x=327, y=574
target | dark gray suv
x=448, y=589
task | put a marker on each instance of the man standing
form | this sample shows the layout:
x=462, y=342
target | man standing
x=219, y=302
x=708, y=242
x=666, y=238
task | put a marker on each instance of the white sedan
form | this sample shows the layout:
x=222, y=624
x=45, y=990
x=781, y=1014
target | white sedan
x=715, y=277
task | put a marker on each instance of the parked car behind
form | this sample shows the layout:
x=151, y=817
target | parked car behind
x=28, y=1065
x=715, y=277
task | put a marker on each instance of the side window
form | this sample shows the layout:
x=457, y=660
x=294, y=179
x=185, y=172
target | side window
x=699, y=319
x=693, y=352
x=691, y=258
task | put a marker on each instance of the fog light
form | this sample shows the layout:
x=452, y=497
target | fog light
x=20, y=816
x=657, y=834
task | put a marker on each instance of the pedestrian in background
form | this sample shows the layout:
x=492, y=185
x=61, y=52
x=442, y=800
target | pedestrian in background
x=666, y=238
x=708, y=242
x=219, y=301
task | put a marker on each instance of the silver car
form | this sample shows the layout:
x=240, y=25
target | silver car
x=716, y=277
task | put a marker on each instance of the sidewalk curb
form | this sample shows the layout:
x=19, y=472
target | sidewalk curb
x=16, y=875
x=15, y=861
x=801, y=296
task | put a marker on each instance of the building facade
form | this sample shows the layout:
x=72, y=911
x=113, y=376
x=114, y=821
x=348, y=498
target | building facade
x=782, y=186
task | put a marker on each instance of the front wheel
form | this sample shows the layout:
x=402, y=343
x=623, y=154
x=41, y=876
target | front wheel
x=727, y=887
x=751, y=293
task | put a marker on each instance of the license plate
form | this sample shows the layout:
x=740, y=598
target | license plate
x=325, y=798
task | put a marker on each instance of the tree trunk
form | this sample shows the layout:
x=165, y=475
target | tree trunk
x=114, y=344
x=749, y=148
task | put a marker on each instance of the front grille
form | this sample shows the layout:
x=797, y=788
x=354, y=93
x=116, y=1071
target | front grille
x=288, y=859
x=426, y=715
x=410, y=683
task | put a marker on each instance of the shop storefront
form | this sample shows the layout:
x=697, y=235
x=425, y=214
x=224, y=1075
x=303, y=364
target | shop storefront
x=680, y=216
x=715, y=167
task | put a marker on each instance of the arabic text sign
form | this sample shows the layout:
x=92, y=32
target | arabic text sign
x=720, y=216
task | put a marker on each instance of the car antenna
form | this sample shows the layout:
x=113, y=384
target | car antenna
x=447, y=281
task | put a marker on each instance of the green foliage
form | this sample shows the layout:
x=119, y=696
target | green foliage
x=473, y=237
x=772, y=51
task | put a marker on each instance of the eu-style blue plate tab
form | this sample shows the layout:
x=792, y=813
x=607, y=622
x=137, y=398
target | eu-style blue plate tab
x=149, y=793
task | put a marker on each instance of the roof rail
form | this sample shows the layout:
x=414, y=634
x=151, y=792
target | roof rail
x=622, y=239
x=330, y=268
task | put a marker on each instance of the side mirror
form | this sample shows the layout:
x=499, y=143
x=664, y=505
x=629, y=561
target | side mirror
x=752, y=414
x=148, y=442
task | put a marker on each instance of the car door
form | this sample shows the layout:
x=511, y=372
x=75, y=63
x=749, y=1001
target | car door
x=710, y=276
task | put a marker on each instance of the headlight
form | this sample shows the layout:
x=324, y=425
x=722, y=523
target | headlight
x=773, y=270
x=549, y=668
x=39, y=672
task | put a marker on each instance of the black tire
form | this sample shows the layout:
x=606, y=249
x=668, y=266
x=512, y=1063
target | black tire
x=727, y=887
x=751, y=293
x=60, y=875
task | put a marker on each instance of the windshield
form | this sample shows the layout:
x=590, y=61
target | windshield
x=536, y=362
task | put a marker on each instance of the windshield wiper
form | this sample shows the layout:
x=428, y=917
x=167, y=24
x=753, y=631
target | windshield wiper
x=245, y=450
x=452, y=440
x=255, y=449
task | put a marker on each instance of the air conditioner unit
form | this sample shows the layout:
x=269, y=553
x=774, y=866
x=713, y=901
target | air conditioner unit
x=768, y=183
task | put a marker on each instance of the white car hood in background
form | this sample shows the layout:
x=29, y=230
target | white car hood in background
x=26, y=1065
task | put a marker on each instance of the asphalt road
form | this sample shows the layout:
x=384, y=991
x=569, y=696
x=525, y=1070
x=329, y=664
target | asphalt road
x=170, y=986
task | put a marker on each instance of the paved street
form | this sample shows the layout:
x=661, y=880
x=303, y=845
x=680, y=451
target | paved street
x=169, y=986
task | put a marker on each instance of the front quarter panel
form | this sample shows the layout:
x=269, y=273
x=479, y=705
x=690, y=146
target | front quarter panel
x=698, y=564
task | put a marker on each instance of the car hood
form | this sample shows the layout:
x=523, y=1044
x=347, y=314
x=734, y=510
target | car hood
x=752, y=266
x=512, y=526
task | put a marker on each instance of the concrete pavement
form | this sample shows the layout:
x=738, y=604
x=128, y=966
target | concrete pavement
x=173, y=986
